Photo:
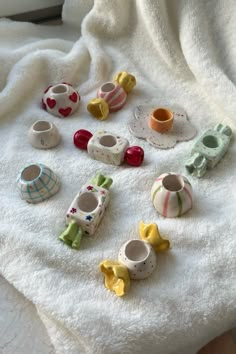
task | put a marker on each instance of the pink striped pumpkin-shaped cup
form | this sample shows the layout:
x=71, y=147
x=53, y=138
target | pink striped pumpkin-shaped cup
x=171, y=195
x=113, y=94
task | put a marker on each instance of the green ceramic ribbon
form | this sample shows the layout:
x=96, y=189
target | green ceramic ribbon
x=101, y=181
x=72, y=235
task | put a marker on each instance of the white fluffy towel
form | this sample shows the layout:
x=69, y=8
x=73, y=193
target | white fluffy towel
x=182, y=53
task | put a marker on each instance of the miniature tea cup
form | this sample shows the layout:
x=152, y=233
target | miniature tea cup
x=37, y=183
x=161, y=120
x=43, y=135
x=61, y=100
x=139, y=257
x=171, y=195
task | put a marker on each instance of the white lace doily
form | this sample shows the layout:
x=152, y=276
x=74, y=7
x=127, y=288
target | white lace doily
x=182, y=129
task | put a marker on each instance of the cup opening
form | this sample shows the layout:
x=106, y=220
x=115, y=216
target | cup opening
x=30, y=173
x=162, y=114
x=87, y=202
x=136, y=251
x=173, y=183
x=210, y=141
x=108, y=140
x=41, y=126
x=59, y=89
x=108, y=87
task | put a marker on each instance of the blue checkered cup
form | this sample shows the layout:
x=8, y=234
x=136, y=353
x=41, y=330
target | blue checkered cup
x=37, y=183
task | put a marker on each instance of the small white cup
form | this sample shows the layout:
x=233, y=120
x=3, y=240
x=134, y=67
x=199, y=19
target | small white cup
x=139, y=257
x=43, y=135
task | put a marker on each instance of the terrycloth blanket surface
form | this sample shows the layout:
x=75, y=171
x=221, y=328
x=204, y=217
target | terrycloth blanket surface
x=181, y=52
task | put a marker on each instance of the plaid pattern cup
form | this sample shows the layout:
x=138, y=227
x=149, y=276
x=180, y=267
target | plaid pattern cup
x=37, y=183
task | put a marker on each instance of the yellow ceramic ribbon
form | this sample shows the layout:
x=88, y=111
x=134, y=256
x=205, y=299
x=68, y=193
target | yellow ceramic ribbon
x=98, y=107
x=151, y=234
x=125, y=80
x=116, y=277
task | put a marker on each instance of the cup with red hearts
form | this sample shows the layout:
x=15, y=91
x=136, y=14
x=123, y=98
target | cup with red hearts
x=61, y=100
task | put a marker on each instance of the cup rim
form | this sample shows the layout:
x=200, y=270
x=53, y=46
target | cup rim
x=42, y=131
x=145, y=244
x=162, y=121
x=36, y=178
x=55, y=87
x=177, y=176
x=113, y=84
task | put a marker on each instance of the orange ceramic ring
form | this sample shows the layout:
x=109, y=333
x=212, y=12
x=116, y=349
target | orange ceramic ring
x=161, y=120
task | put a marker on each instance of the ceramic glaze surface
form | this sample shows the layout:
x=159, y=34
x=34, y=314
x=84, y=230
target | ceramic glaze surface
x=209, y=149
x=88, y=207
x=134, y=156
x=37, y=183
x=107, y=147
x=161, y=120
x=81, y=138
x=139, y=257
x=61, y=100
x=43, y=135
x=181, y=130
x=113, y=94
x=171, y=195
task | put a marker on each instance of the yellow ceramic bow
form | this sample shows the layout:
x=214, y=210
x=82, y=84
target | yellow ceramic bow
x=98, y=107
x=125, y=80
x=151, y=234
x=116, y=277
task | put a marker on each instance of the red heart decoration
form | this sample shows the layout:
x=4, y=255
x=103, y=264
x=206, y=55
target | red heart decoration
x=51, y=102
x=65, y=111
x=73, y=97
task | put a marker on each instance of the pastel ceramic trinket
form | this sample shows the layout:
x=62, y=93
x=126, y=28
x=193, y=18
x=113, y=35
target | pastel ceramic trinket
x=171, y=195
x=111, y=96
x=209, y=149
x=61, y=100
x=37, y=183
x=161, y=126
x=161, y=120
x=86, y=210
x=137, y=259
x=108, y=148
x=43, y=135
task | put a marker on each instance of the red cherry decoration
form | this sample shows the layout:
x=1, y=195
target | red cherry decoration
x=134, y=156
x=81, y=138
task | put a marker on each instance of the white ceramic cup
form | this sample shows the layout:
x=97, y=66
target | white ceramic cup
x=37, y=183
x=139, y=257
x=171, y=194
x=61, y=100
x=43, y=135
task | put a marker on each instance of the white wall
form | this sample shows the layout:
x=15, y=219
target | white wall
x=14, y=7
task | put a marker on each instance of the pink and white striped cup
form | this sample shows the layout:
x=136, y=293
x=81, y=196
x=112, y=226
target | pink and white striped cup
x=113, y=94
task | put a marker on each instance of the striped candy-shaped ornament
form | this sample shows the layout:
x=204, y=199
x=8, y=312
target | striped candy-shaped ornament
x=171, y=195
x=113, y=94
